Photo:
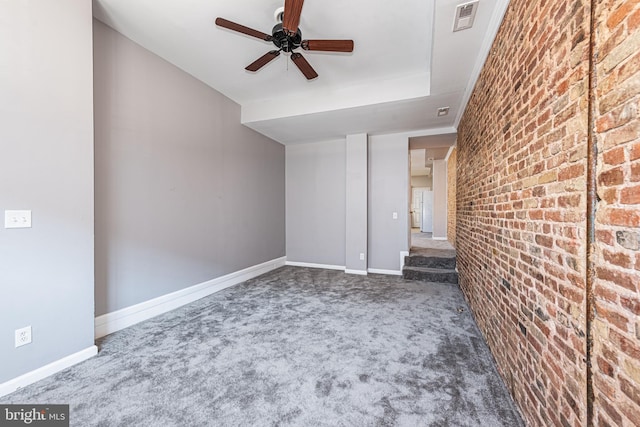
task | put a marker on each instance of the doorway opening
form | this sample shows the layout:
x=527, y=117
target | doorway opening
x=428, y=191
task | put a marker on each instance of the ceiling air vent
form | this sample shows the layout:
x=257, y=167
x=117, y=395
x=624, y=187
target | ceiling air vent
x=465, y=14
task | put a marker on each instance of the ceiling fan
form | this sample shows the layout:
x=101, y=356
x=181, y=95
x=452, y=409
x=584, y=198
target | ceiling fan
x=287, y=37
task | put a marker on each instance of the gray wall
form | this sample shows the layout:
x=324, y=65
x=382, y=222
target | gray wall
x=317, y=199
x=46, y=165
x=440, y=199
x=356, y=203
x=316, y=203
x=388, y=193
x=184, y=192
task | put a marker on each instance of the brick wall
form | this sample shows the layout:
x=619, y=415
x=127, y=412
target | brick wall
x=521, y=206
x=451, y=197
x=521, y=218
x=616, y=355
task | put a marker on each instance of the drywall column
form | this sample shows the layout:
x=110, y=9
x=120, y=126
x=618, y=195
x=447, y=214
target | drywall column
x=440, y=199
x=356, y=204
x=388, y=203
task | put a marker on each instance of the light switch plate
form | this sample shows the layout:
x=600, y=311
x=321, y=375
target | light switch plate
x=17, y=219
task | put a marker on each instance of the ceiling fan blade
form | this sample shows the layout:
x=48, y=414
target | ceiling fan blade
x=291, y=18
x=304, y=66
x=328, y=45
x=263, y=60
x=221, y=22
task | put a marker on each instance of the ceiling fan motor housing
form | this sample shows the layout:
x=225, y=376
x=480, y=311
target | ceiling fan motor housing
x=285, y=42
x=287, y=37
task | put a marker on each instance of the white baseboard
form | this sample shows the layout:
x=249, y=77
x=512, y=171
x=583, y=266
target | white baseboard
x=439, y=238
x=120, y=319
x=387, y=272
x=359, y=272
x=402, y=255
x=47, y=370
x=312, y=265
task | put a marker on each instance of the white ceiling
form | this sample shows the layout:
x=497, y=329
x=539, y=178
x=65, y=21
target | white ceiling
x=425, y=149
x=407, y=61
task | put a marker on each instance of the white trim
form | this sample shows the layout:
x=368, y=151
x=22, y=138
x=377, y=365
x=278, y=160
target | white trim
x=402, y=255
x=419, y=132
x=47, y=370
x=120, y=319
x=446, y=158
x=312, y=265
x=358, y=272
x=387, y=272
x=438, y=238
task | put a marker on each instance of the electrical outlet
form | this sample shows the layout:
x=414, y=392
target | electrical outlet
x=23, y=336
x=17, y=219
x=361, y=256
x=395, y=215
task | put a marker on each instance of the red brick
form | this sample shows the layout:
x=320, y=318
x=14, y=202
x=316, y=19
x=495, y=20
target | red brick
x=605, y=367
x=605, y=123
x=632, y=304
x=611, y=412
x=609, y=354
x=535, y=214
x=612, y=317
x=631, y=390
x=619, y=259
x=635, y=172
x=611, y=177
x=603, y=422
x=571, y=172
x=605, y=387
x=603, y=292
x=632, y=413
x=605, y=47
x=634, y=151
x=521, y=200
x=619, y=14
x=630, y=195
x=618, y=129
x=624, y=280
x=605, y=237
x=622, y=134
x=626, y=345
x=544, y=240
x=572, y=201
x=614, y=157
x=622, y=217
x=634, y=20
x=609, y=195
x=628, y=69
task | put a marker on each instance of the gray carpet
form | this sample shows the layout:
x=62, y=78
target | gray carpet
x=299, y=347
x=421, y=240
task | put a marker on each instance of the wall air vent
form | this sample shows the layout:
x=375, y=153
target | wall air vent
x=465, y=14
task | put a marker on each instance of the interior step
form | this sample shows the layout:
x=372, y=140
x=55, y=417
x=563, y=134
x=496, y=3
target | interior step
x=445, y=262
x=427, y=274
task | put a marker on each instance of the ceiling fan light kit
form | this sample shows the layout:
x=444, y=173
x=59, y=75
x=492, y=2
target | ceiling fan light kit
x=287, y=37
x=278, y=14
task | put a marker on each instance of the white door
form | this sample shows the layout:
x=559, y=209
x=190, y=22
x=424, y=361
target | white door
x=416, y=206
x=427, y=212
